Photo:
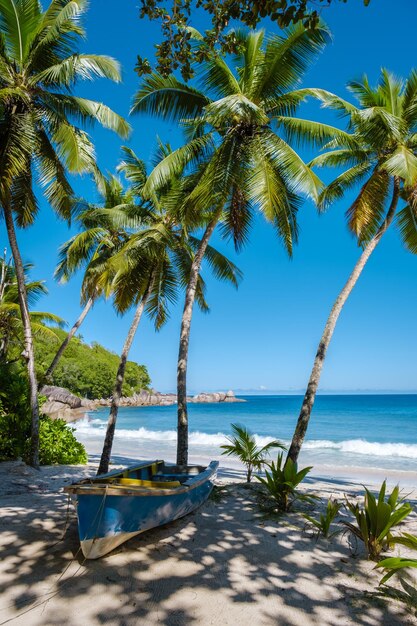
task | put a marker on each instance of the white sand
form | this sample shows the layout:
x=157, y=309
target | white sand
x=225, y=564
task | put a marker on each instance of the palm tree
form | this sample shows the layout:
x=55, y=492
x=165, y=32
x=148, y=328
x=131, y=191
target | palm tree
x=242, y=444
x=40, y=137
x=233, y=125
x=11, y=329
x=381, y=152
x=100, y=236
x=150, y=267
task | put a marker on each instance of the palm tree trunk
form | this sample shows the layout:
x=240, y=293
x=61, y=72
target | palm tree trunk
x=28, y=352
x=117, y=392
x=310, y=395
x=3, y=275
x=182, y=426
x=64, y=344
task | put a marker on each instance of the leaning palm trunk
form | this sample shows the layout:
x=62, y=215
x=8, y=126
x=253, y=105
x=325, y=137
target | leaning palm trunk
x=182, y=427
x=64, y=344
x=117, y=392
x=28, y=352
x=310, y=395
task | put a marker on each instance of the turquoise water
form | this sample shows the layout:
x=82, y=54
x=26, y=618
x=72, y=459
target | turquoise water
x=374, y=431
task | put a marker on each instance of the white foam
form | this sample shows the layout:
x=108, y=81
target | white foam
x=370, y=448
x=94, y=427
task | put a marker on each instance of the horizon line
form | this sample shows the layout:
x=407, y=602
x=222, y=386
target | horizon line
x=299, y=392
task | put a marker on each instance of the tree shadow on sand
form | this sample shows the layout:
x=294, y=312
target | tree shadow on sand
x=224, y=564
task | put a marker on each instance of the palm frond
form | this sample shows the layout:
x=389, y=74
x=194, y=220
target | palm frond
x=300, y=131
x=18, y=21
x=78, y=66
x=133, y=168
x=237, y=216
x=403, y=164
x=168, y=98
x=174, y=163
x=287, y=58
x=220, y=265
x=299, y=177
x=367, y=211
x=273, y=197
x=342, y=183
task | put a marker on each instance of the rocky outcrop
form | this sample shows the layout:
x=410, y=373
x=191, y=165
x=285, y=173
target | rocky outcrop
x=65, y=405
x=62, y=404
x=218, y=396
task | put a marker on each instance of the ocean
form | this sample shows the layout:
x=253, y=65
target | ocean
x=346, y=431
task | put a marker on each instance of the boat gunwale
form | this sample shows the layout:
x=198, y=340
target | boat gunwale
x=121, y=490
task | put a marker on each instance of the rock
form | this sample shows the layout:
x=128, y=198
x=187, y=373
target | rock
x=64, y=405
x=218, y=396
x=230, y=397
x=59, y=394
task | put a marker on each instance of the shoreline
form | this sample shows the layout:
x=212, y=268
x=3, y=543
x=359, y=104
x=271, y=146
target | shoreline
x=133, y=450
x=224, y=564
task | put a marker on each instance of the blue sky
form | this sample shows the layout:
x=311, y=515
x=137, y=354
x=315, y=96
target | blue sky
x=264, y=335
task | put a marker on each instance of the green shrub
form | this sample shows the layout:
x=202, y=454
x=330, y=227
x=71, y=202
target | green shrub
x=14, y=411
x=377, y=518
x=282, y=480
x=57, y=444
x=242, y=444
x=56, y=438
x=324, y=522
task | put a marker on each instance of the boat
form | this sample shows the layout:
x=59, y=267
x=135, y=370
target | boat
x=119, y=505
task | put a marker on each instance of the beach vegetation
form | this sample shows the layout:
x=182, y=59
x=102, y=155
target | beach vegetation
x=281, y=482
x=41, y=135
x=237, y=121
x=11, y=326
x=153, y=262
x=14, y=410
x=58, y=445
x=103, y=227
x=375, y=520
x=407, y=595
x=396, y=564
x=323, y=523
x=57, y=441
x=242, y=445
x=87, y=370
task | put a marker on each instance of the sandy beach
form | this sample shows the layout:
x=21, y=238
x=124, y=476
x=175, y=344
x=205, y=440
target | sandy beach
x=225, y=564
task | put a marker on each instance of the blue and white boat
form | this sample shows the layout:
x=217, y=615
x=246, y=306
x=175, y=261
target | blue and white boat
x=115, y=507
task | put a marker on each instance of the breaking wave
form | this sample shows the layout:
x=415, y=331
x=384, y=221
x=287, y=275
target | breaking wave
x=95, y=427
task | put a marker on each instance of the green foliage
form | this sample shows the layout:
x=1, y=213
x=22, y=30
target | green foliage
x=176, y=51
x=378, y=155
x=11, y=328
x=243, y=446
x=41, y=118
x=323, y=523
x=88, y=371
x=234, y=144
x=376, y=519
x=57, y=442
x=14, y=411
x=396, y=564
x=282, y=480
x=58, y=445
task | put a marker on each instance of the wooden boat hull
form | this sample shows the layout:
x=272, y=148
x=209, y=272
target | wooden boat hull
x=110, y=514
